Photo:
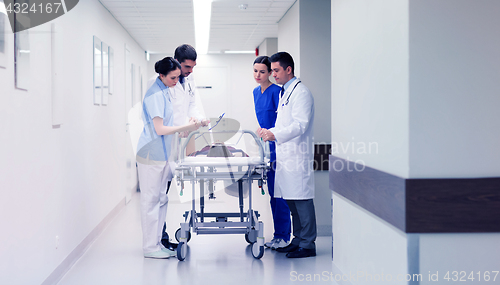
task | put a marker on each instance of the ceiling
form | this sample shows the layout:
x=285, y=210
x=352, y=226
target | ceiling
x=159, y=26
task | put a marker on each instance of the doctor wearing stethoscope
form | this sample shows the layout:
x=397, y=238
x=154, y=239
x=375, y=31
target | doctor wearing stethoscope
x=184, y=94
x=293, y=133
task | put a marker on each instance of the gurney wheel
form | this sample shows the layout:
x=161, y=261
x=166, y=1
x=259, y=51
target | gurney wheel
x=178, y=235
x=251, y=237
x=181, y=251
x=257, y=251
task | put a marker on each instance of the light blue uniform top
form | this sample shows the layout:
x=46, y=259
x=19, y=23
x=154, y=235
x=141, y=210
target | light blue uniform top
x=156, y=104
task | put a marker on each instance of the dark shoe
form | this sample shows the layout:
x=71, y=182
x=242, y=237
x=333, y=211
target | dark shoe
x=289, y=248
x=170, y=245
x=301, y=252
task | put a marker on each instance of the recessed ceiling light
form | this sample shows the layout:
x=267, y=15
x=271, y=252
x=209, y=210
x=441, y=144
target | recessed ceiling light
x=202, y=13
x=239, y=51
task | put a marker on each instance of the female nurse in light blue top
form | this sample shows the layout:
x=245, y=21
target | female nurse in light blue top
x=153, y=153
x=266, y=98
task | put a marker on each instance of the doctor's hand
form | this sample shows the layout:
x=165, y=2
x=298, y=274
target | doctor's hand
x=193, y=125
x=195, y=121
x=265, y=134
x=205, y=122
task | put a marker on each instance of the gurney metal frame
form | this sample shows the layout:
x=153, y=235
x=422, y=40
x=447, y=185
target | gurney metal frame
x=248, y=223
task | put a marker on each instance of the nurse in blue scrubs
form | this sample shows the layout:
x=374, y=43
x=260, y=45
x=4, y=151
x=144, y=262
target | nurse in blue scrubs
x=266, y=98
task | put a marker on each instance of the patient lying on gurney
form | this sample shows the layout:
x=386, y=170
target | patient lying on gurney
x=221, y=150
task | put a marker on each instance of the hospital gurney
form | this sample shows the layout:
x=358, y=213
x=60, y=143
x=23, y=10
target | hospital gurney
x=206, y=171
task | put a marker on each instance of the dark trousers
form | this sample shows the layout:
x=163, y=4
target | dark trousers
x=304, y=223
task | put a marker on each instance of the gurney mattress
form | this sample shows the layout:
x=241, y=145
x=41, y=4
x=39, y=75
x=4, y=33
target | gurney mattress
x=221, y=161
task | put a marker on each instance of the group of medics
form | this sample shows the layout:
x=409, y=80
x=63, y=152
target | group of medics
x=286, y=117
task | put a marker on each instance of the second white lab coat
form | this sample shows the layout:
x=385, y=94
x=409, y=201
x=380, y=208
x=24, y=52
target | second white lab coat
x=294, y=144
x=185, y=101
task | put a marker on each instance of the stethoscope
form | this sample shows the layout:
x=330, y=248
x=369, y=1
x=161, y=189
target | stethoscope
x=288, y=98
x=174, y=94
x=191, y=92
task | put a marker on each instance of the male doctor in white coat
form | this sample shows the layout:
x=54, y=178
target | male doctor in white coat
x=293, y=134
x=184, y=104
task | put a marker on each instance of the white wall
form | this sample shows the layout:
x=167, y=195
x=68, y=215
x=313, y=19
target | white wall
x=370, y=93
x=60, y=181
x=370, y=98
x=454, y=118
x=241, y=84
x=364, y=244
x=454, y=88
x=464, y=253
x=269, y=46
x=289, y=35
x=421, y=79
x=315, y=58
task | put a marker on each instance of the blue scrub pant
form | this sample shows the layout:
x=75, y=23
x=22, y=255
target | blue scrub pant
x=280, y=211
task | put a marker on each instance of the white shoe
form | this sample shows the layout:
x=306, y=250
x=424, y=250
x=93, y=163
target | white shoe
x=279, y=243
x=270, y=243
x=157, y=254
x=170, y=252
x=276, y=243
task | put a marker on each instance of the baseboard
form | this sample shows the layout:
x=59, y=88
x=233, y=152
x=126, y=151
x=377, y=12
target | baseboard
x=73, y=257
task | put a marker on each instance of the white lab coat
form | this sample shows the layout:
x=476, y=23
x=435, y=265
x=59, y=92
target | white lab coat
x=294, y=144
x=185, y=101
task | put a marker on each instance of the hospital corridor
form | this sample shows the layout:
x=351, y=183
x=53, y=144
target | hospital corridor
x=115, y=258
x=349, y=142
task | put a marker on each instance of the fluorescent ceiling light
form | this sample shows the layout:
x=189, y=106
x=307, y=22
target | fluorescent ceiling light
x=202, y=12
x=239, y=51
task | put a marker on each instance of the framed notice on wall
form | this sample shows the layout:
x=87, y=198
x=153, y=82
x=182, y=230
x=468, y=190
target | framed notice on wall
x=105, y=73
x=3, y=35
x=103, y=67
x=111, y=55
x=97, y=72
x=22, y=59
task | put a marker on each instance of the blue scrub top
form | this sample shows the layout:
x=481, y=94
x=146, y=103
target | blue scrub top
x=156, y=104
x=266, y=105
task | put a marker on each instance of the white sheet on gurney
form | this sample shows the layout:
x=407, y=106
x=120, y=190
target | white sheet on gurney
x=221, y=161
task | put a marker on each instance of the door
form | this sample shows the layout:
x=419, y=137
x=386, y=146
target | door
x=130, y=162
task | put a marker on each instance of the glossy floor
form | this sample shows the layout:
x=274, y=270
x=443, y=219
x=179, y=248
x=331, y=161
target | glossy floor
x=116, y=256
